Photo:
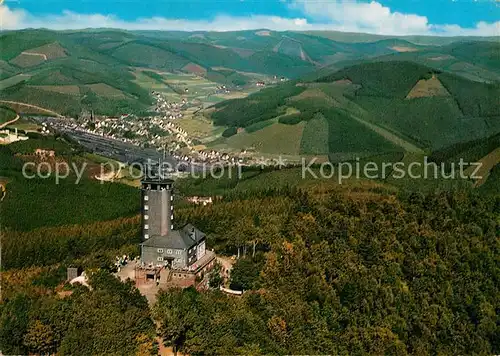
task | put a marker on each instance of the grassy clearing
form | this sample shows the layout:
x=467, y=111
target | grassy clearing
x=260, y=125
x=51, y=51
x=427, y=88
x=106, y=90
x=196, y=126
x=25, y=124
x=276, y=139
x=13, y=80
x=25, y=60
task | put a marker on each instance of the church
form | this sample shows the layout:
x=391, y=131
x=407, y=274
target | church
x=169, y=254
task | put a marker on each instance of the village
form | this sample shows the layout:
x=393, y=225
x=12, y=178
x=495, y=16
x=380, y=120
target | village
x=160, y=132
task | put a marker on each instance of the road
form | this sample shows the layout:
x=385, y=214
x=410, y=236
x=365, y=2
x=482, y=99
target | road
x=5, y=124
x=31, y=106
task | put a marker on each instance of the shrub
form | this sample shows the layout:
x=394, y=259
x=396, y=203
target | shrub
x=230, y=132
x=293, y=119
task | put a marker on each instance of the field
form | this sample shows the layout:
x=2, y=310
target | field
x=25, y=125
x=25, y=60
x=197, y=126
x=427, y=88
x=49, y=51
x=13, y=80
x=106, y=90
x=375, y=108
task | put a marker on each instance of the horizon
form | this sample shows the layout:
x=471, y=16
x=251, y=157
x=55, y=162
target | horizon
x=382, y=36
x=384, y=17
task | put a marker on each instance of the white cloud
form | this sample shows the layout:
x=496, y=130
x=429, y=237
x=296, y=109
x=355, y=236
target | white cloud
x=366, y=17
x=338, y=15
x=373, y=17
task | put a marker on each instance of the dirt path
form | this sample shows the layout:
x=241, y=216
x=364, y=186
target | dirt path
x=35, y=54
x=31, y=106
x=3, y=189
x=5, y=124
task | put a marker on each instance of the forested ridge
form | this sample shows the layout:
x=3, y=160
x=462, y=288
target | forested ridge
x=327, y=271
x=358, y=268
x=355, y=274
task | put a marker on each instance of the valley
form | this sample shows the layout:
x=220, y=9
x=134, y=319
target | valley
x=332, y=176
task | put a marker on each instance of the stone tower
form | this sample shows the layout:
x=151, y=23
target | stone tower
x=157, y=206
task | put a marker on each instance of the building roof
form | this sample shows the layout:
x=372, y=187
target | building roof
x=184, y=238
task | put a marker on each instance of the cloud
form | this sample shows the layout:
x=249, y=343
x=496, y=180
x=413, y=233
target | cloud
x=18, y=19
x=370, y=17
x=338, y=15
x=373, y=17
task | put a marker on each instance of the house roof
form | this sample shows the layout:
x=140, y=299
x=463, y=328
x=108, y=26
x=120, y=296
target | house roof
x=185, y=238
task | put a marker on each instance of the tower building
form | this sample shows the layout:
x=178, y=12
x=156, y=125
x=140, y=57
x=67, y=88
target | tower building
x=157, y=207
x=181, y=250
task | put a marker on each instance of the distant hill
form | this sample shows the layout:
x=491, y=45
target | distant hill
x=61, y=70
x=375, y=107
x=352, y=37
x=476, y=60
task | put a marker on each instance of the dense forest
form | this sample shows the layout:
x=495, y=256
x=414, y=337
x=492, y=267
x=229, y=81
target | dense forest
x=358, y=268
x=112, y=318
x=331, y=270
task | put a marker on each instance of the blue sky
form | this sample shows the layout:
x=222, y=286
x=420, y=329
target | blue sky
x=448, y=17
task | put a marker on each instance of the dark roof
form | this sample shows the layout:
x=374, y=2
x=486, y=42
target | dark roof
x=184, y=238
x=152, y=180
x=192, y=233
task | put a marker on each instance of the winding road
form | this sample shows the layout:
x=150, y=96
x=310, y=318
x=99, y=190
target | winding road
x=30, y=106
x=5, y=124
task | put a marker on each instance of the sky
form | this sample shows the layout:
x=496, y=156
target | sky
x=387, y=17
